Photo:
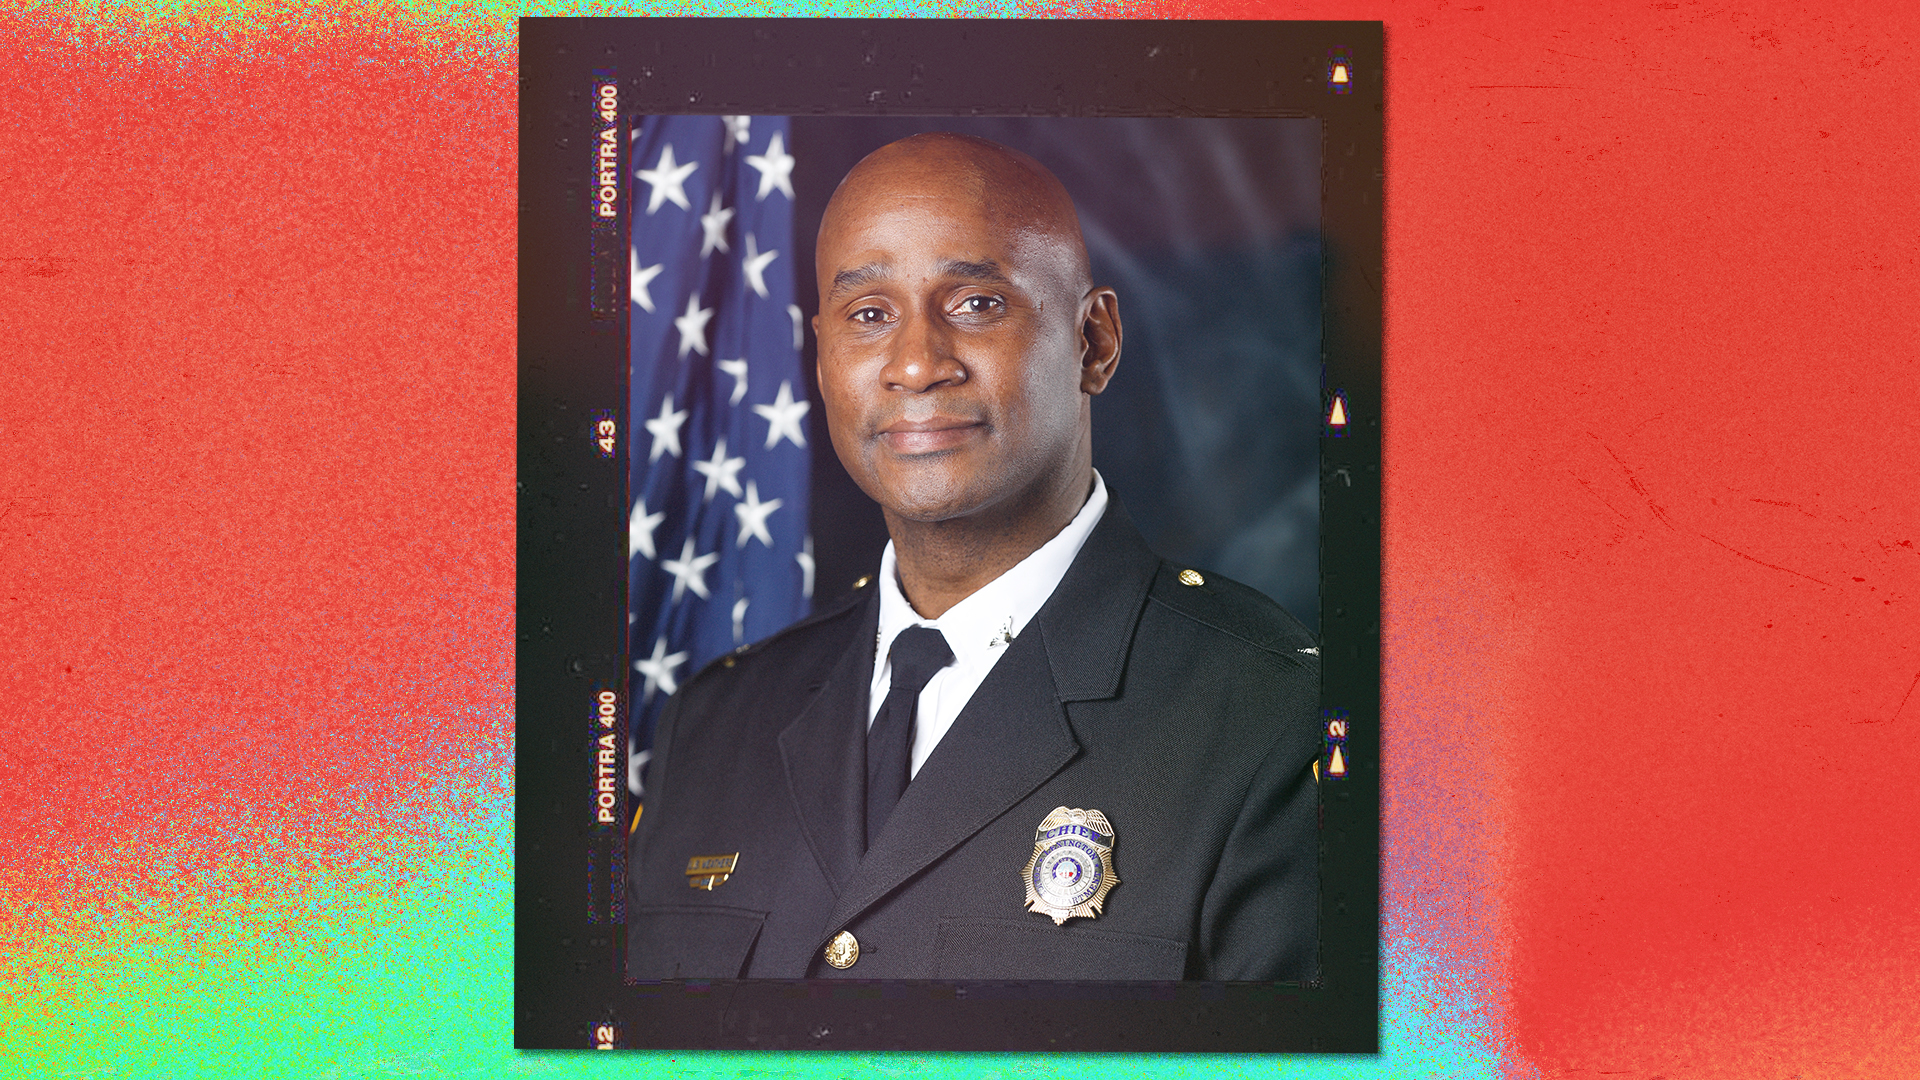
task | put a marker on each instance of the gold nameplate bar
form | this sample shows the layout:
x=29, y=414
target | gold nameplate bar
x=706, y=871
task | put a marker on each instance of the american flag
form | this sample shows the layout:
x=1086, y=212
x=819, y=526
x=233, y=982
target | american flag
x=718, y=548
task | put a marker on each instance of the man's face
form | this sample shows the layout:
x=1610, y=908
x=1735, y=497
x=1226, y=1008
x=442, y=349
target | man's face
x=950, y=346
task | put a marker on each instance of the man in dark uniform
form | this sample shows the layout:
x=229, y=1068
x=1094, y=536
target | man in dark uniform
x=1028, y=748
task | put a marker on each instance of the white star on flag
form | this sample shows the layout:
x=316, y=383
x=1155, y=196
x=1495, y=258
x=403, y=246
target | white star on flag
x=641, y=277
x=693, y=326
x=737, y=369
x=776, y=169
x=713, y=227
x=658, y=669
x=740, y=619
x=689, y=572
x=722, y=472
x=669, y=181
x=756, y=266
x=805, y=559
x=640, y=529
x=753, y=516
x=783, y=417
x=737, y=129
x=793, y=312
x=665, y=430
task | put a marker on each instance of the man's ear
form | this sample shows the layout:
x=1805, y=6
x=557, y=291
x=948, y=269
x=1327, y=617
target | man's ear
x=1099, y=340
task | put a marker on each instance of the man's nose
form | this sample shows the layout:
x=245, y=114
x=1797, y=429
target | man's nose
x=922, y=357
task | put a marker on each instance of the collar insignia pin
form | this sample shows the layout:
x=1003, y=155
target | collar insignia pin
x=1071, y=871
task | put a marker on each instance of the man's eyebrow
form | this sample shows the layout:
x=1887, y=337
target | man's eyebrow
x=856, y=277
x=987, y=272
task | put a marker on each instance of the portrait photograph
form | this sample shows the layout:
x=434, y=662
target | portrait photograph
x=1212, y=225
x=973, y=475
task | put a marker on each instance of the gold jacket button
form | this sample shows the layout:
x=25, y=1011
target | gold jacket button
x=1191, y=577
x=843, y=950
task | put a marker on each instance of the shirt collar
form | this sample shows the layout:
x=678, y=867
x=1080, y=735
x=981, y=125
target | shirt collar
x=979, y=626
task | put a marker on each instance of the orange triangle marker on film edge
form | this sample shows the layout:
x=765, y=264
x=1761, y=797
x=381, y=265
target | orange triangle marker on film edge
x=1338, y=417
x=1337, y=766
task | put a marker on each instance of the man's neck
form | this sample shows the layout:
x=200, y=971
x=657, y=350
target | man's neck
x=943, y=562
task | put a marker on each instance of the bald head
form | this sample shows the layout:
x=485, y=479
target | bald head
x=1013, y=193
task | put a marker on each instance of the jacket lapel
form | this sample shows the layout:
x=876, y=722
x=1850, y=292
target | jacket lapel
x=1089, y=620
x=1013, y=735
x=1009, y=739
x=824, y=750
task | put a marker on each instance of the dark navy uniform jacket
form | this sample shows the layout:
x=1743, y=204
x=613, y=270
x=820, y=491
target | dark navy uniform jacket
x=1187, y=714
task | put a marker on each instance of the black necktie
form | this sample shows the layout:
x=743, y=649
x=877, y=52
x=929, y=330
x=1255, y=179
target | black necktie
x=917, y=653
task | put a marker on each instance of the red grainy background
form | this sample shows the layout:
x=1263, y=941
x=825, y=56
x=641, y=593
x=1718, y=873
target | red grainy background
x=256, y=513
x=1652, y=372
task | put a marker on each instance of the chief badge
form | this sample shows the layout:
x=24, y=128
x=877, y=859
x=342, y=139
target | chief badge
x=1072, y=866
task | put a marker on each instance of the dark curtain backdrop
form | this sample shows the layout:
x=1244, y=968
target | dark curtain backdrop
x=1209, y=231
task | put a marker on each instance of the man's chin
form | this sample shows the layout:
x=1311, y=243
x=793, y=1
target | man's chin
x=930, y=512
x=929, y=501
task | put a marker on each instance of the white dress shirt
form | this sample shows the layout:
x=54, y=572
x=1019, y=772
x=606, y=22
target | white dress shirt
x=978, y=629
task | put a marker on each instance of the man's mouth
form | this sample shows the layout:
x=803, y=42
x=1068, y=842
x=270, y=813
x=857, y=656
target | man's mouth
x=929, y=435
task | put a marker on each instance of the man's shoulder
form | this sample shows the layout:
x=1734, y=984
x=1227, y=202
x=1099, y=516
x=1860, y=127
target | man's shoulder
x=805, y=648
x=1244, y=672
x=1212, y=603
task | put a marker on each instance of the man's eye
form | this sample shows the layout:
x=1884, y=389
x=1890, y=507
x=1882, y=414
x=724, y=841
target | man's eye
x=869, y=315
x=979, y=305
